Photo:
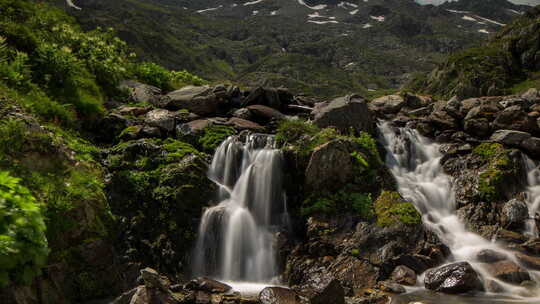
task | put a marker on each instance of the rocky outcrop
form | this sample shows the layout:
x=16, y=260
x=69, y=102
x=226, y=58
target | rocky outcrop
x=140, y=92
x=343, y=114
x=330, y=166
x=278, y=295
x=453, y=279
x=200, y=100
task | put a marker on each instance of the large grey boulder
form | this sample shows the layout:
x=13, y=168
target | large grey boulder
x=508, y=271
x=509, y=137
x=330, y=166
x=454, y=278
x=344, y=113
x=403, y=275
x=323, y=288
x=161, y=118
x=140, y=92
x=390, y=104
x=514, y=214
x=200, y=100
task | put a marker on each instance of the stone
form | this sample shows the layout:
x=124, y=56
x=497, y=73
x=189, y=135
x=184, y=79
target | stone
x=531, y=262
x=193, y=127
x=403, y=275
x=196, y=99
x=278, y=295
x=390, y=104
x=272, y=97
x=455, y=278
x=392, y=287
x=112, y=125
x=134, y=111
x=207, y=285
x=508, y=272
x=490, y=256
x=162, y=119
x=424, y=111
x=344, y=113
x=413, y=101
x=152, y=279
x=441, y=119
x=508, y=236
x=515, y=118
x=323, y=288
x=532, y=146
x=242, y=124
x=330, y=166
x=532, y=95
x=514, y=214
x=509, y=137
x=139, y=92
x=243, y=113
x=265, y=112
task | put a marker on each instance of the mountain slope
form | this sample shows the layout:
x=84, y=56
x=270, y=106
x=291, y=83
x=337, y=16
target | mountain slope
x=321, y=47
x=508, y=61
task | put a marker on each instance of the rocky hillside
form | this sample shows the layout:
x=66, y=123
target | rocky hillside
x=323, y=48
x=507, y=62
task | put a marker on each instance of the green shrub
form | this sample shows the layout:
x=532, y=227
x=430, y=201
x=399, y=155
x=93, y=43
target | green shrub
x=342, y=201
x=497, y=160
x=214, y=135
x=23, y=245
x=153, y=74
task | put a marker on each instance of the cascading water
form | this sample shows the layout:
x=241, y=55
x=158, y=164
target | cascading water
x=415, y=163
x=236, y=237
x=533, y=194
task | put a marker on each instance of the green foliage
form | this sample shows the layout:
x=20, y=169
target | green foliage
x=177, y=150
x=339, y=202
x=355, y=252
x=214, y=135
x=23, y=245
x=156, y=75
x=303, y=136
x=391, y=208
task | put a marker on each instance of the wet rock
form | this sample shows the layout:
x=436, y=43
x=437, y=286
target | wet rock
x=344, y=113
x=390, y=104
x=348, y=269
x=508, y=271
x=532, y=146
x=139, y=92
x=389, y=286
x=265, y=112
x=243, y=113
x=330, y=166
x=162, y=119
x=152, y=279
x=490, y=256
x=508, y=236
x=528, y=261
x=454, y=278
x=242, y=124
x=278, y=295
x=207, y=285
x=514, y=214
x=403, y=275
x=510, y=137
x=196, y=99
x=323, y=288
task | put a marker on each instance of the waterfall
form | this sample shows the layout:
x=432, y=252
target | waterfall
x=415, y=163
x=533, y=194
x=236, y=237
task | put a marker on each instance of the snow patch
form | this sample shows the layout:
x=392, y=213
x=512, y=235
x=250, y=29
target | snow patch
x=354, y=12
x=316, y=7
x=483, y=31
x=323, y=22
x=253, y=2
x=468, y=18
x=367, y=25
x=209, y=9
x=378, y=18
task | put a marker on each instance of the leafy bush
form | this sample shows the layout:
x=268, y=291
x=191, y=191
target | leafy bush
x=340, y=202
x=23, y=245
x=156, y=75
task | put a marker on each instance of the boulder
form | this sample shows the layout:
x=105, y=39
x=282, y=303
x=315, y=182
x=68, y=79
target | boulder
x=196, y=99
x=490, y=256
x=133, y=111
x=207, y=285
x=454, y=278
x=162, y=119
x=243, y=113
x=272, y=97
x=532, y=95
x=242, y=124
x=330, y=166
x=413, y=101
x=392, y=287
x=510, y=137
x=323, y=288
x=344, y=113
x=514, y=214
x=152, y=279
x=403, y=275
x=193, y=127
x=390, y=104
x=508, y=271
x=532, y=146
x=531, y=262
x=112, y=125
x=441, y=119
x=265, y=112
x=515, y=118
x=139, y=92
x=278, y=295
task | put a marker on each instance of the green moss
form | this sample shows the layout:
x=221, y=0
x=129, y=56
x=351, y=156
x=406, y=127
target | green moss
x=497, y=161
x=214, y=135
x=355, y=252
x=343, y=201
x=177, y=150
x=391, y=208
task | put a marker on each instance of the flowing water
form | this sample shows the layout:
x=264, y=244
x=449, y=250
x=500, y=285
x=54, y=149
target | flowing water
x=236, y=238
x=533, y=194
x=415, y=163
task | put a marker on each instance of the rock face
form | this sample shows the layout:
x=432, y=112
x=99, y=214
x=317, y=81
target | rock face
x=139, y=92
x=199, y=100
x=323, y=288
x=162, y=119
x=344, y=113
x=514, y=214
x=330, y=166
x=453, y=279
x=278, y=295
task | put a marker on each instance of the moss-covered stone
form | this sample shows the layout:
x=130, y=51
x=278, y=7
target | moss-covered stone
x=391, y=208
x=497, y=166
x=214, y=135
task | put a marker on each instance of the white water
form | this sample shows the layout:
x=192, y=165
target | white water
x=415, y=163
x=236, y=238
x=533, y=194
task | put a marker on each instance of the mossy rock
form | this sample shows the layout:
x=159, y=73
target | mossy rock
x=391, y=208
x=499, y=168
